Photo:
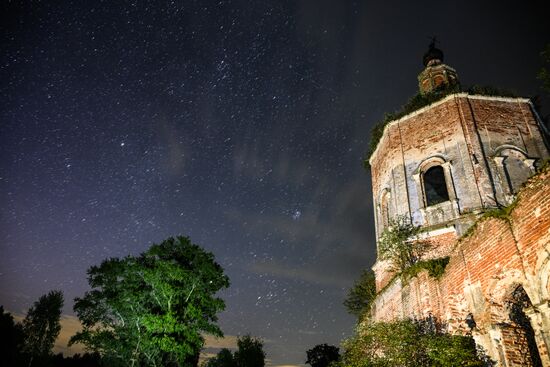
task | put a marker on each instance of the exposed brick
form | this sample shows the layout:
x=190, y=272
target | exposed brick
x=476, y=137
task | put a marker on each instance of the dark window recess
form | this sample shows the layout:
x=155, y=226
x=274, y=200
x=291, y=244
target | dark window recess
x=435, y=186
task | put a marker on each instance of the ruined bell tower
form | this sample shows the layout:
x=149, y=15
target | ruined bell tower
x=448, y=162
x=442, y=166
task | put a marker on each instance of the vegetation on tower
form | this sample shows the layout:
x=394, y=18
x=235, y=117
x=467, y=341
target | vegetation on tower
x=419, y=101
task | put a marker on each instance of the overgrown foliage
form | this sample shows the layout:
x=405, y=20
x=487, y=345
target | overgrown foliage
x=152, y=309
x=419, y=101
x=435, y=268
x=322, y=355
x=409, y=343
x=489, y=90
x=250, y=353
x=361, y=295
x=401, y=244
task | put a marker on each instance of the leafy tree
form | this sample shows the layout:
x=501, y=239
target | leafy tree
x=11, y=336
x=361, y=295
x=151, y=309
x=224, y=358
x=250, y=352
x=408, y=343
x=401, y=244
x=41, y=327
x=322, y=355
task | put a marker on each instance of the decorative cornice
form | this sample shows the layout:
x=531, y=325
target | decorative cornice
x=441, y=101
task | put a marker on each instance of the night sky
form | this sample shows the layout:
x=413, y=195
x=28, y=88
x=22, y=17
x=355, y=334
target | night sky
x=241, y=124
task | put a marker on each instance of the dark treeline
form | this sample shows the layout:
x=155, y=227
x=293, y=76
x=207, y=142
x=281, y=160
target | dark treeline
x=30, y=342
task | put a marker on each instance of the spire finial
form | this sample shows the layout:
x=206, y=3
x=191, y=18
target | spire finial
x=434, y=42
x=436, y=76
x=433, y=52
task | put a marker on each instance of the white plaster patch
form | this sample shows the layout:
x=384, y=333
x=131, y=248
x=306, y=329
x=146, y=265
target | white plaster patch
x=537, y=212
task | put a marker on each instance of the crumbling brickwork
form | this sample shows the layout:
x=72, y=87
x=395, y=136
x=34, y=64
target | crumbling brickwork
x=486, y=149
x=486, y=266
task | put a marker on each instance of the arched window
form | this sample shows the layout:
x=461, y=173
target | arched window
x=514, y=167
x=435, y=186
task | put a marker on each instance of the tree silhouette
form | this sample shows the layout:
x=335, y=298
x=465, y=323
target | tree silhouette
x=41, y=327
x=11, y=336
x=250, y=352
x=224, y=358
x=322, y=355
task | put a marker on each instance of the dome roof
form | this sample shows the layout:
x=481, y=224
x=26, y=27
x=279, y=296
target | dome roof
x=433, y=53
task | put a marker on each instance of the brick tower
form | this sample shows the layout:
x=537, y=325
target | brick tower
x=442, y=166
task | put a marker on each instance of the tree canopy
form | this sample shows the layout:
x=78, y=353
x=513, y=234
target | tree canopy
x=322, y=355
x=151, y=309
x=249, y=353
x=224, y=358
x=361, y=295
x=409, y=343
x=41, y=326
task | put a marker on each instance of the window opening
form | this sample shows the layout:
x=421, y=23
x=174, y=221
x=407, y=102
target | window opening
x=435, y=186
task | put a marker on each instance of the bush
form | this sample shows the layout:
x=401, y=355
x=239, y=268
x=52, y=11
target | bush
x=435, y=268
x=401, y=244
x=361, y=295
x=409, y=343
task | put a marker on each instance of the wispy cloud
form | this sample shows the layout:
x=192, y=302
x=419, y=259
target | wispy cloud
x=310, y=275
x=228, y=341
x=337, y=236
x=174, y=161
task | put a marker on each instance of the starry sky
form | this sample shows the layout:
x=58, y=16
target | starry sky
x=241, y=124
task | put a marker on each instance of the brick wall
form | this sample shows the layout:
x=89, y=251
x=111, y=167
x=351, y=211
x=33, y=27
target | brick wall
x=473, y=136
x=485, y=267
